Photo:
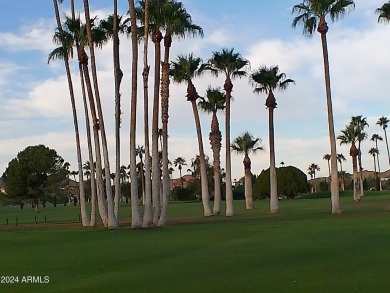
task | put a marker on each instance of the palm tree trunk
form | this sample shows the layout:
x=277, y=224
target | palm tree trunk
x=379, y=168
x=387, y=145
x=156, y=177
x=274, y=201
x=203, y=170
x=215, y=141
x=356, y=185
x=164, y=120
x=112, y=221
x=90, y=152
x=248, y=183
x=334, y=186
x=148, y=216
x=228, y=86
x=342, y=178
x=360, y=171
x=136, y=221
x=117, y=81
x=83, y=211
x=99, y=184
x=375, y=174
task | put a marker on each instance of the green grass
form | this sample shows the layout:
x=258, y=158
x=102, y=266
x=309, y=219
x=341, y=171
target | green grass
x=302, y=249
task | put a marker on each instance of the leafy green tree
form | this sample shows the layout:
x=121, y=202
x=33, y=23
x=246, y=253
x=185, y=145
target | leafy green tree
x=267, y=80
x=292, y=181
x=245, y=144
x=312, y=15
x=29, y=175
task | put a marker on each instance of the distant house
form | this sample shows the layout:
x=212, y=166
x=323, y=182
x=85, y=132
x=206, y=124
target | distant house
x=177, y=182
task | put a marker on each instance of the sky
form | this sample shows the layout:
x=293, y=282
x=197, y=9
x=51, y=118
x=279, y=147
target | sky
x=35, y=105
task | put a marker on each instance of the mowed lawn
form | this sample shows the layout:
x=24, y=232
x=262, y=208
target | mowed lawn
x=302, y=249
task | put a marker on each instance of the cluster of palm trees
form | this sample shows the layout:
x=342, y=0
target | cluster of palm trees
x=162, y=21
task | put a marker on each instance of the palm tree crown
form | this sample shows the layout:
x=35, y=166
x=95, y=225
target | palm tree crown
x=384, y=13
x=246, y=144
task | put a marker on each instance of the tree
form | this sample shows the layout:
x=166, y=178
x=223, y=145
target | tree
x=360, y=123
x=327, y=157
x=232, y=65
x=140, y=151
x=27, y=176
x=383, y=122
x=112, y=221
x=374, y=152
x=350, y=136
x=245, y=144
x=180, y=162
x=311, y=13
x=384, y=13
x=136, y=221
x=340, y=159
x=375, y=138
x=215, y=101
x=185, y=69
x=313, y=168
x=64, y=52
x=267, y=80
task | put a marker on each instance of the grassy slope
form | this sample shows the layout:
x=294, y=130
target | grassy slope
x=303, y=249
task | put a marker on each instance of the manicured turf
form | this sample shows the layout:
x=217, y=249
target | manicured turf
x=302, y=249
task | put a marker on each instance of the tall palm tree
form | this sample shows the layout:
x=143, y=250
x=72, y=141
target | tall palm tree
x=185, y=69
x=375, y=137
x=350, y=136
x=148, y=216
x=327, y=157
x=177, y=23
x=267, y=80
x=232, y=65
x=136, y=221
x=245, y=144
x=155, y=23
x=340, y=159
x=383, y=122
x=215, y=101
x=180, y=162
x=311, y=13
x=384, y=13
x=374, y=152
x=313, y=168
x=361, y=124
x=112, y=221
x=64, y=53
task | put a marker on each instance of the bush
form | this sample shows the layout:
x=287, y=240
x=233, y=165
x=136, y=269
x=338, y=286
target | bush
x=182, y=194
x=291, y=182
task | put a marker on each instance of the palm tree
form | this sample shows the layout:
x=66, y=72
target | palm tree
x=374, y=152
x=382, y=122
x=184, y=69
x=360, y=124
x=311, y=13
x=232, y=65
x=136, y=221
x=215, y=101
x=64, y=53
x=375, y=138
x=112, y=221
x=148, y=216
x=327, y=157
x=177, y=22
x=245, y=144
x=140, y=151
x=267, y=80
x=340, y=159
x=313, y=168
x=384, y=13
x=180, y=162
x=350, y=136
x=282, y=163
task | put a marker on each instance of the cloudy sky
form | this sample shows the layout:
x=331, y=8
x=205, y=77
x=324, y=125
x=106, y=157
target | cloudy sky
x=35, y=106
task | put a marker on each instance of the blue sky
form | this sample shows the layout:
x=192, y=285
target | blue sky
x=35, y=107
